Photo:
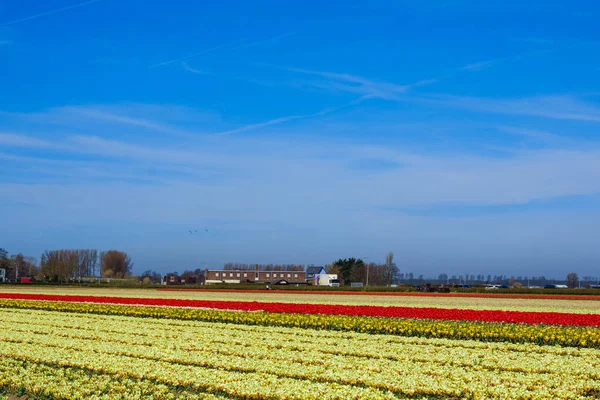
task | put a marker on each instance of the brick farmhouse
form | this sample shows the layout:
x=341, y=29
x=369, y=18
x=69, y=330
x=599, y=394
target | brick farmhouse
x=244, y=276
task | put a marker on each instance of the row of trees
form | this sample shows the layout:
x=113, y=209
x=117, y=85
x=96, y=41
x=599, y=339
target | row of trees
x=64, y=264
x=17, y=266
x=373, y=274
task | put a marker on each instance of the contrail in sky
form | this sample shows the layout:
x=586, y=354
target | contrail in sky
x=56, y=10
x=234, y=45
x=280, y=120
x=210, y=50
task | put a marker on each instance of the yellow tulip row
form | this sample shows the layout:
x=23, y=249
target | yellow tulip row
x=97, y=327
x=515, y=333
x=264, y=362
x=118, y=330
x=39, y=380
x=232, y=383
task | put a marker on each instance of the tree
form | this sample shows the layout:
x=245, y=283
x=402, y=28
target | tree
x=19, y=265
x=391, y=269
x=150, y=276
x=347, y=266
x=572, y=280
x=333, y=268
x=59, y=265
x=87, y=260
x=115, y=264
x=196, y=276
x=4, y=260
x=31, y=265
x=359, y=272
x=4, y=263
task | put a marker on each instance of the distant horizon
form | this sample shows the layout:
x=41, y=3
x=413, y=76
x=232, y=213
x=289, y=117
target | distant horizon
x=461, y=136
x=138, y=271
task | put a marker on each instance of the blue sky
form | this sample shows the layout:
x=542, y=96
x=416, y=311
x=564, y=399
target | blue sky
x=461, y=135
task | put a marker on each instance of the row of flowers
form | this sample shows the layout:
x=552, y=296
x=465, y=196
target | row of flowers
x=265, y=362
x=523, y=317
x=507, y=332
x=393, y=294
x=246, y=385
x=29, y=379
x=93, y=326
x=226, y=340
x=457, y=303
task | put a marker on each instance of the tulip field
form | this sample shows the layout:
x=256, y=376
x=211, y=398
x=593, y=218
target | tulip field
x=74, y=346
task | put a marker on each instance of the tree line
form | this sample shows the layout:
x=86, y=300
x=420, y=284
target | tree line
x=61, y=265
x=356, y=270
x=17, y=266
x=67, y=264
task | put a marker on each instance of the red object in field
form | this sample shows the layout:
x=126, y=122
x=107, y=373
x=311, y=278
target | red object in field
x=25, y=280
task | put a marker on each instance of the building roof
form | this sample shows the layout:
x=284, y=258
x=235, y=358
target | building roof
x=314, y=270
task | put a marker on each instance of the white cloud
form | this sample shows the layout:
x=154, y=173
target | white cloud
x=193, y=70
x=19, y=140
x=359, y=85
x=478, y=66
x=300, y=195
x=552, y=107
x=138, y=151
x=126, y=120
x=302, y=167
x=168, y=120
x=265, y=168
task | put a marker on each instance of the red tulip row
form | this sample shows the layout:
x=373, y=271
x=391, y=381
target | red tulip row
x=549, y=318
x=410, y=294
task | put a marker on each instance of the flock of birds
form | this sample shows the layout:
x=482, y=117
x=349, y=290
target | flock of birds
x=194, y=231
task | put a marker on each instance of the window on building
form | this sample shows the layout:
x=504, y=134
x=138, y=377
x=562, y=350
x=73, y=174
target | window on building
x=245, y=274
x=268, y=275
x=238, y=275
x=289, y=275
x=231, y=274
x=217, y=274
x=295, y=275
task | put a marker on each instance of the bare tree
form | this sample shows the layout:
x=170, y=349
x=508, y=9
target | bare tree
x=88, y=258
x=572, y=280
x=115, y=264
x=19, y=265
x=59, y=265
x=391, y=270
x=32, y=266
x=4, y=260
